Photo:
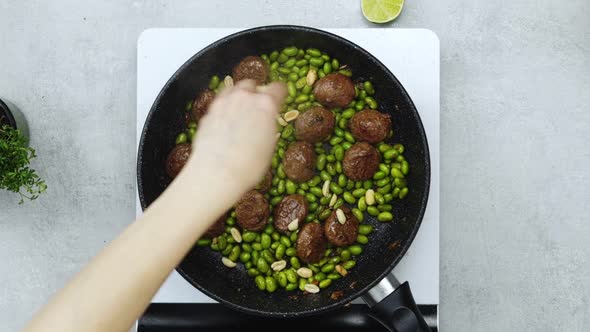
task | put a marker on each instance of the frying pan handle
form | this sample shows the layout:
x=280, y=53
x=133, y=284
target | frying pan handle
x=393, y=305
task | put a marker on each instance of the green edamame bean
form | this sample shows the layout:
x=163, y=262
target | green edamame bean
x=265, y=241
x=317, y=62
x=365, y=229
x=316, y=191
x=342, y=181
x=390, y=154
x=355, y=250
x=203, y=242
x=287, y=131
x=246, y=247
x=301, y=192
x=295, y=262
x=300, y=53
x=362, y=205
x=362, y=95
x=350, y=264
x=285, y=241
x=282, y=58
x=282, y=279
x=399, y=182
x=325, y=283
x=338, y=152
x=358, y=214
x=262, y=265
x=275, y=236
x=360, y=105
x=267, y=256
x=339, y=203
x=384, y=168
x=181, y=138
x=348, y=113
x=284, y=71
x=405, y=168
x=274, y=245
x=358, y=193
x=301, y=98
x=321, y=162
x=345, y=255
x=396, y=173
x=291, y=287
x=348, y=137
x=342, y=123
x=399, y=148
x=334, y=260
x=327, y=67
x=372, y=210
x=381, y=182
x=395, y=192
x=314, y=181
x=327, y=268
x=333, y=276
x=349, y=198
x=335, y=64
x=291, y=275
x=388, y=197
x=379, y=175
x=248, y=236
x=260, y=282
x=379, y=198
x=307, y=89
x=362, y=239
x=325, y=176
x=281, y=187
x=339, y=132
x=319, y=276
x=368, y=86
x=222, y=242
x=293, y=237
x=385, y=189
x=310, y=197
x=271, y=284
x=338, y=167
x=371, y=102
x=214, y=82
x=325, y=200
x=335, y=140
x=268, y=230
x=313, y=52
x=331, y=169
x=324, y=214
x=291, y=252
x=290, y=187
x=300, y=83
x=276, y=200
x=304, y=186
x=281, y=172
x=367, y=184
x=385, y=207
x=350, y=185
x=290, y=51
x=291, y=89
x=273, y=192
x=403, y=193
x=301, y=63
x=293, y=77
x=335, y=188
x=384, y=147
x=252, y=272
x=302, y=283
x=345, y=72
x=273, y=56
x=256, y=246
x=245, y=257
x=325, y=57
x=330, y=158
x=280, y=251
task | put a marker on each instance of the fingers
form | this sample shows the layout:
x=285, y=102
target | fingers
x=276, y=90
x=247, y=85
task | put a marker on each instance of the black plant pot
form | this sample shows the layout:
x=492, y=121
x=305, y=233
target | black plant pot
x=10, y=115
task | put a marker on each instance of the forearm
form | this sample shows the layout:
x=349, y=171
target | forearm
x=116, y=287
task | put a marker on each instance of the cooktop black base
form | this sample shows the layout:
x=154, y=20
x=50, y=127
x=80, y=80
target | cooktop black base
x=212, y=317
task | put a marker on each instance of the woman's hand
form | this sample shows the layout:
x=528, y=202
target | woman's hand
x=236, y=139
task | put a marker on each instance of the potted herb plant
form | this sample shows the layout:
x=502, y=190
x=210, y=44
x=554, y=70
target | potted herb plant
x=16, y=155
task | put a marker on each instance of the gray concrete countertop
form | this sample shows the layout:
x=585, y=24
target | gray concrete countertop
x=515, y=116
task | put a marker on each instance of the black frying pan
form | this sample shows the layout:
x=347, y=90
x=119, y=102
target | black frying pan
x=202, y=267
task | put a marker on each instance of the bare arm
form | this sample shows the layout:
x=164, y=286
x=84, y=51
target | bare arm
x=232, y=150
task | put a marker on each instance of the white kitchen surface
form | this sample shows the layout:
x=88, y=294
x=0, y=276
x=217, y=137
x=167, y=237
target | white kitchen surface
x=413, y=55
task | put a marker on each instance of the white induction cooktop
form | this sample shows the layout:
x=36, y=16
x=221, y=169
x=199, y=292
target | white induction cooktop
x=412, y=55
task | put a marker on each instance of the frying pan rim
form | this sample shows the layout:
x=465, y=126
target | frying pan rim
x=419, y=217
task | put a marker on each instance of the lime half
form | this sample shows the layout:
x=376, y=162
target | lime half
x=381, y=11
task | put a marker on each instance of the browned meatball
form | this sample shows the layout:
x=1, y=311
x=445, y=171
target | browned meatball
x=341, y=234
x=251, y=67
x=299, y=161
x=217, y=228
x=315, y=125
x=252, y=211
x=201, y=104
x=370, y=126
x=266, y=182
x=290, y=208
x=177, y=158
x=334, y=90
x=360, y=162
x=311, y=243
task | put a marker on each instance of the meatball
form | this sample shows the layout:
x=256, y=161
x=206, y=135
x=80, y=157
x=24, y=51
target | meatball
x=341, y=234
x=201, y=104
x=299, y=161
x=370, y=126
x=251, y=67
x=311, y=243
x=315, y=125
x=334, y=90
x=290, y=208
x=217, y=228
x=177, y=158
x=252, y=211
x=360, y=162
x=266, y=182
